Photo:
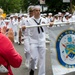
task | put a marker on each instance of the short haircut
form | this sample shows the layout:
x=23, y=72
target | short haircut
x=30, y=8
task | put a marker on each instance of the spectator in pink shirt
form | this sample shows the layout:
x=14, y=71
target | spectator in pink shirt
x=8, y=55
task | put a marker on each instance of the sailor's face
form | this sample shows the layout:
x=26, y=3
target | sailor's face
x=37, y=11
x=31, y=13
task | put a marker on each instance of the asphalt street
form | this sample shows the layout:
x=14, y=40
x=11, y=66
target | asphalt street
x=22, y=70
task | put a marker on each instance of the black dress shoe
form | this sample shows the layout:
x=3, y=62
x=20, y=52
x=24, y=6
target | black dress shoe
x=31, y=72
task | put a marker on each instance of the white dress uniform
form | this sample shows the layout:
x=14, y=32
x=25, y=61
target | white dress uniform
x=10, y=24
x=18, y=29
x=37, y=44
x=2, y=23
x=67, y=20
x=14, y=25
x=26, y=42
x=15, y=30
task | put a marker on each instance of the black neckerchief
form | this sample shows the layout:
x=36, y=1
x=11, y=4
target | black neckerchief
x=39, y=27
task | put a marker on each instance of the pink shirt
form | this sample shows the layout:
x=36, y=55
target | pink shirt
x=8, y=55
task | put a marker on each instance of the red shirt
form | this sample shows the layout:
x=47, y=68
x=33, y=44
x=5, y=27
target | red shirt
x=8, y=55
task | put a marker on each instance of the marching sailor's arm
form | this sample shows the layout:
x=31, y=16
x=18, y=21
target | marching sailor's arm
x=51, y=24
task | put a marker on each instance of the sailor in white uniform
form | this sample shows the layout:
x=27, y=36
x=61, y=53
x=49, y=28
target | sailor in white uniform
x=2, y=22
x=10, y=24
x=15, y=27
x=26, y=37
x=37, y=41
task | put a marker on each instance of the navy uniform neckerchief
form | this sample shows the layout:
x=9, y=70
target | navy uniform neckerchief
x=39, y=27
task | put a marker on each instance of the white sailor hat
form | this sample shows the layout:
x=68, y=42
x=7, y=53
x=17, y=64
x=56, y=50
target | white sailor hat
x=70, y=14
x=20, y=15
x=50, y=14
x=25, y=14
x=56, y=15
x=16, y=14
x=11, y=15
x=59, y=13
x=44, y=14
x=30, y=8
x=36, y=7
x=67, y=14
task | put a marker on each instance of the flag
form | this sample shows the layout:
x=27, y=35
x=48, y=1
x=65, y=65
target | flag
x=62, y=48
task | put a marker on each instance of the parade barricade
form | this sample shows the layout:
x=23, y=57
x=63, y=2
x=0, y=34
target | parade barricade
x=62, y=47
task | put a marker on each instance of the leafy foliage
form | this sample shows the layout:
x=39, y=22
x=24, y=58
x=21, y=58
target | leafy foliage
x=57, y=5
x=12, y=6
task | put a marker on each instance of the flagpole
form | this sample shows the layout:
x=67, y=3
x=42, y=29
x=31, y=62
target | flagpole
x=54, y=24
x=42, y=8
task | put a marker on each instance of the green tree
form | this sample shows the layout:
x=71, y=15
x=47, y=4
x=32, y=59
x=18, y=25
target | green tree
x=26, y=3
x=57, y=5
x=10, y=6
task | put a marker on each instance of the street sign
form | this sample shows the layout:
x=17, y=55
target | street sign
x=66, y=1
x=42, y=1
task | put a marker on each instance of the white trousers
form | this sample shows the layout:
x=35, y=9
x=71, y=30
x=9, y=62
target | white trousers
x=27, y=48
x=15, y=36
x=40, y=50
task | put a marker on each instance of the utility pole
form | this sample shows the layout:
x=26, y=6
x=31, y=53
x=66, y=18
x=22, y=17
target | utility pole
x=71, y=6
x=42, y=8
x=42, y=3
